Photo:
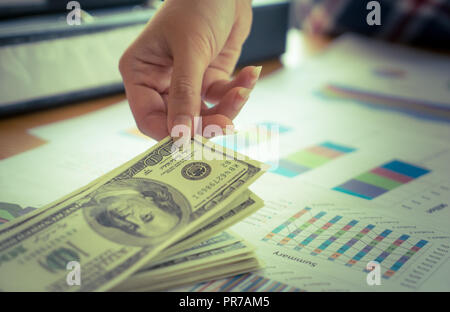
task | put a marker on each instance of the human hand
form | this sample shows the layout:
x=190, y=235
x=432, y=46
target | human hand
x=184, y=57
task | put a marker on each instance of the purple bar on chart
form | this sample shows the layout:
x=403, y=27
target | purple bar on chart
x=255, y=283
x=388, y=251
x=243, y=282
x=421, y=109
x=228, y=284
x=351, y=242
x=279, y=228
x=333, y=238
x=381, y=179
x=301, y=228
x=403, y=259
x=318, y=232
x=360, y=189
x=361, y=254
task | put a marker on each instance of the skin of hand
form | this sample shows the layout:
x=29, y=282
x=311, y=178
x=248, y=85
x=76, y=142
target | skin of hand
x=185, y=57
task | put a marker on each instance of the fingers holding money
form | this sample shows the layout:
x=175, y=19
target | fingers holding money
x=150, y=105
x=149, y=110
x=216, y=83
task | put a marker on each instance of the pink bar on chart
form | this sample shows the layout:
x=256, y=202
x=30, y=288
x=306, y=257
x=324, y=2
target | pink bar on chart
x=323, y=151
x=391, y=175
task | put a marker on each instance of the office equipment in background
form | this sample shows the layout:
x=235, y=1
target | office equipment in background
x=46, y=62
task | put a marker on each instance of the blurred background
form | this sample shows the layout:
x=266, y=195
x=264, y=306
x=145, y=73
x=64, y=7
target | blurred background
x=46, y=59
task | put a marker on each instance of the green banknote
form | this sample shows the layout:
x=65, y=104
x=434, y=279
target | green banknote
x=246, y=204
x=214, y=261
x=118, y=223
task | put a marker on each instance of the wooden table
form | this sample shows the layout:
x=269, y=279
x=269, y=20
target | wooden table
x=15, y=137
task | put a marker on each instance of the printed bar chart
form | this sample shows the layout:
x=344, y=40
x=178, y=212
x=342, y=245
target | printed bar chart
x=244, y=282
x=368, y=248
x=343, y=241
x=351, y=242
x=382, y=179
x=260, y=133
x=403, y=259
x=301, y=228
x=333, y=238
x=421, y=109
x=398, y=242
x=319, y=231
x=310, y=158
x=285, y=224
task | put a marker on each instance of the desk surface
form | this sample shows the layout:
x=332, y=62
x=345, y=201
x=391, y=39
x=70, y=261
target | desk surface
x=16, y=139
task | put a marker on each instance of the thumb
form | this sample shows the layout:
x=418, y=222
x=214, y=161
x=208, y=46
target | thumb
x=185, y=89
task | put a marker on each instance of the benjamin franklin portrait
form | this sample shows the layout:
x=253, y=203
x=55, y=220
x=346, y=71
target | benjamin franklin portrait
x=136, y=211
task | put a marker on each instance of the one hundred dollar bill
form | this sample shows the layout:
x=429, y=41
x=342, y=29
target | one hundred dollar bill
x=243, y=207
x=220, y=240
x=217, y=272
x=119, y=222
x=192, y=264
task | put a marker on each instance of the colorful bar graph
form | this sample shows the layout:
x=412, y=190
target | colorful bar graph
x=333, y=238
x=231, y=283
x=244, y=282
x=318, y=232
x=403, y=259
x=361, y=254
x=351, y=242
x=392, y=247
x=287, y=223
x=382, y=179
x=310, y=158
x=255, y=283
x=301, y=228
x=421, y=109
x=260, y=133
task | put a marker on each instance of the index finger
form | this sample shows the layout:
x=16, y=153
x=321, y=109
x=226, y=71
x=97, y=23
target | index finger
x=149, y=110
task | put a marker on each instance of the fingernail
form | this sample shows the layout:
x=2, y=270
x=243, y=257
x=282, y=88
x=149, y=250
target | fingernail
x=182, y=120
x=244, y=93
x=181, y=126
x=256, y=72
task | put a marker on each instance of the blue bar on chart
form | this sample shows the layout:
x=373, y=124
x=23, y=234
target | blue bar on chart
x=417, y=108
x=382, y=179
x=403, y=259
x=388, y=251
x=318, y=232
x=301, y=228
x=333, y=238
x=258, y=134
x=286, y=223
x=310, y=158
x=351, y=242
x=244, y=282
x=361, y=254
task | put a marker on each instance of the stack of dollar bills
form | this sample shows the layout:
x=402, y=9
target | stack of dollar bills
x=220, y=256
x=156, y=222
